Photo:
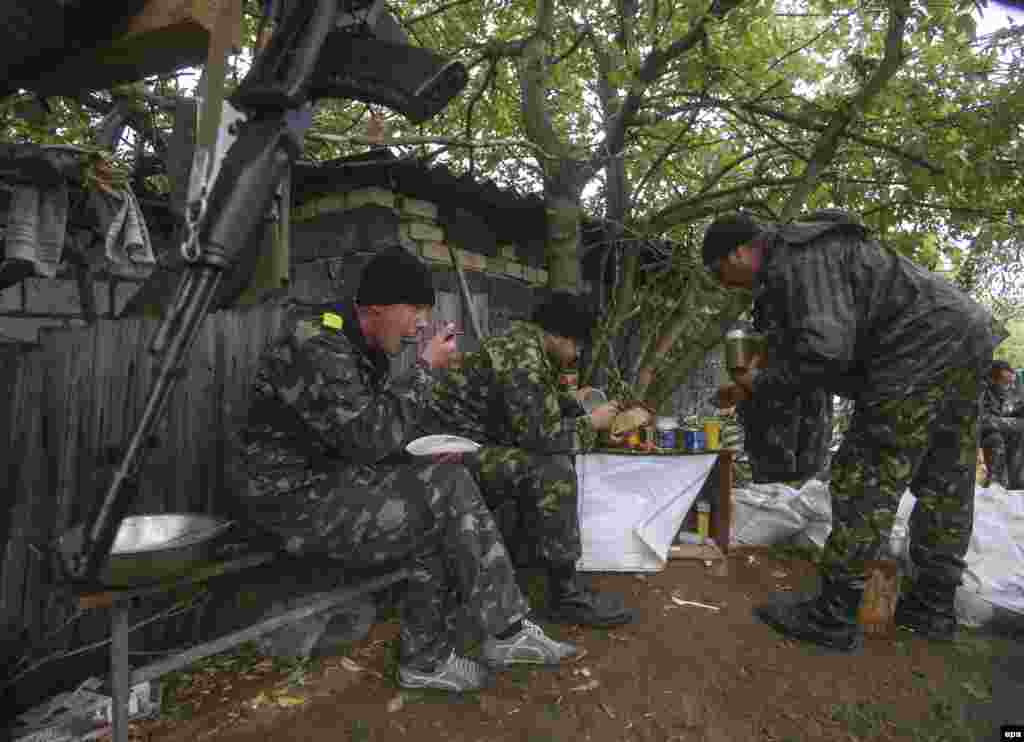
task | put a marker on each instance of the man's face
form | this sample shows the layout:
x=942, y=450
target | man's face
x=564, y=350
x=736, y=270
x=393, y=324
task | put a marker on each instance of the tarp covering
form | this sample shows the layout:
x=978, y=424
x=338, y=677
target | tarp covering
x=631, y=507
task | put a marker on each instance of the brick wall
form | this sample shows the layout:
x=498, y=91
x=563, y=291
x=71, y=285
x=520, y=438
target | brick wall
x=40, y=303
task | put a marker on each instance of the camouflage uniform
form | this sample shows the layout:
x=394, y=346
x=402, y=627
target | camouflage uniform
x=787, y=441
x=846, y=315
x=1001, y=433
x=322, y=453
x=508, y=396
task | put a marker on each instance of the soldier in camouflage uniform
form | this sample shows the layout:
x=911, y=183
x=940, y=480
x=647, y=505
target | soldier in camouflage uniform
x=508, y=396
x=848, y=316
x=323, y=453
x=1002, y=429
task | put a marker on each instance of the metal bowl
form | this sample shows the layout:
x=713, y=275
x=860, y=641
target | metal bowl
x=153, y=548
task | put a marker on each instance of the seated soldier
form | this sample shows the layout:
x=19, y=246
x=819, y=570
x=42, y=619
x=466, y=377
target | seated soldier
x=507, y=396
x=1002, y=429
x=323, y=452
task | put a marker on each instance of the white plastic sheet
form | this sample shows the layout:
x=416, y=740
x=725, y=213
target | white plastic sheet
x=994, y=577
x=632, y=506
x=993, y=583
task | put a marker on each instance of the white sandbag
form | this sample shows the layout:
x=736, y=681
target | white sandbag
x=995, y=558
x=762, y=515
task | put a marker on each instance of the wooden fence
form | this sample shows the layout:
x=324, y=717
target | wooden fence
x=69, y=409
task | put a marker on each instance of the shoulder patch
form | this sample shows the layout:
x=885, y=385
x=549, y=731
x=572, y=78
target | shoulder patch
x=332, y=320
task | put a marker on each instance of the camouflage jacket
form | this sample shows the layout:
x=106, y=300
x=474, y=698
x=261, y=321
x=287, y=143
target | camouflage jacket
x=997, y=401
x=323, y=400
x=508, y=394
x=787, y=440
x=843, y=313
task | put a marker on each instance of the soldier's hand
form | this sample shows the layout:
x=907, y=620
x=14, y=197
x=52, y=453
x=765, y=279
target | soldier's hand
x=441, y=349
x=601, y=417
x=729, y=395
x=582, y=393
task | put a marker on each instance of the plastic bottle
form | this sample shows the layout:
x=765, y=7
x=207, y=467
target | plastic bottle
x=703, y=518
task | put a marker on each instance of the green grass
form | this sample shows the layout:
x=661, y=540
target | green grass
x=967, y=680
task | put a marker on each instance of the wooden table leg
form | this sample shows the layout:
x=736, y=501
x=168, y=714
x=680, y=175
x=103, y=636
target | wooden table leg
x=721, y=509
x=120, y=669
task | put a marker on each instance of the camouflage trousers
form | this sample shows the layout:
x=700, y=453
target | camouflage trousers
x=429, y=517
x=1002, y=440
x=543, y=486
x=928, y=441
x=787, y=441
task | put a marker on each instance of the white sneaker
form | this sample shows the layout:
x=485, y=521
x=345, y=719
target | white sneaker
x=531, y=646
x=457, y=674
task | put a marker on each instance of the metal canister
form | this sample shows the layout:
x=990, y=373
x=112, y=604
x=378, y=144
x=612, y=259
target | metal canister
x=690, y=436
x=699, y=440
x=666, y=429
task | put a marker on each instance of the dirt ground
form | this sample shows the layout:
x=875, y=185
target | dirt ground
x=679, y=673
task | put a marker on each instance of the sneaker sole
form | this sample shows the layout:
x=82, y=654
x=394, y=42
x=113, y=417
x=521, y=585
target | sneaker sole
x=498, y=665
x=563, y=619
x=432, y=684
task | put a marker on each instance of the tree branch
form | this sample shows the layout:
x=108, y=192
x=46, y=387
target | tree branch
x=828, y=143
x=445, y=141
x=654, y=66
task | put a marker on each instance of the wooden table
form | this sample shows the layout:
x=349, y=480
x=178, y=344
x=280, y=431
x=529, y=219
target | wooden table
x=717, y=490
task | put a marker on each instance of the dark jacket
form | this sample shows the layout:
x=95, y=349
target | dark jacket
x=844, y=314
x=324, y=401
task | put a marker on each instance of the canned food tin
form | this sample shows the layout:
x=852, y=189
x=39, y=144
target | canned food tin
x=667, y=438
x=691, y=440
x=700, y=441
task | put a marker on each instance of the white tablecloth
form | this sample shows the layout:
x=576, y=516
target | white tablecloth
x=631, y=507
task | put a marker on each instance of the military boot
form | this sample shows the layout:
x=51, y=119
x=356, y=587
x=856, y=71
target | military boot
x=828, y=618
x=927, y=609
x=570, y=600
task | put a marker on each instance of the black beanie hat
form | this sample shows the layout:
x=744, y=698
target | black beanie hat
x=566, y=315
x=395, y=276
x=726, y=234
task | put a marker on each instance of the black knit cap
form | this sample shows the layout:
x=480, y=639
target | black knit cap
x=726, y=234
x=395, y=276
x=566, y=315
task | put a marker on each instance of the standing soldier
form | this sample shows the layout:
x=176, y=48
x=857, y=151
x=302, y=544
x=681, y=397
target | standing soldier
x=507, y=395
x=785, y=440
x=1001, y=427
x=323, y=452
x=848, y=316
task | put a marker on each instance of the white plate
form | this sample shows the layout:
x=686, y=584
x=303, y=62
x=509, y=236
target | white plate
x=430, y=445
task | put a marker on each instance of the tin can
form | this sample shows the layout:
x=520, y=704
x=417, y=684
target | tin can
x=665, y=432
x=690, y=436
x=700, y=441
x=633, y=439
x=713, y=434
